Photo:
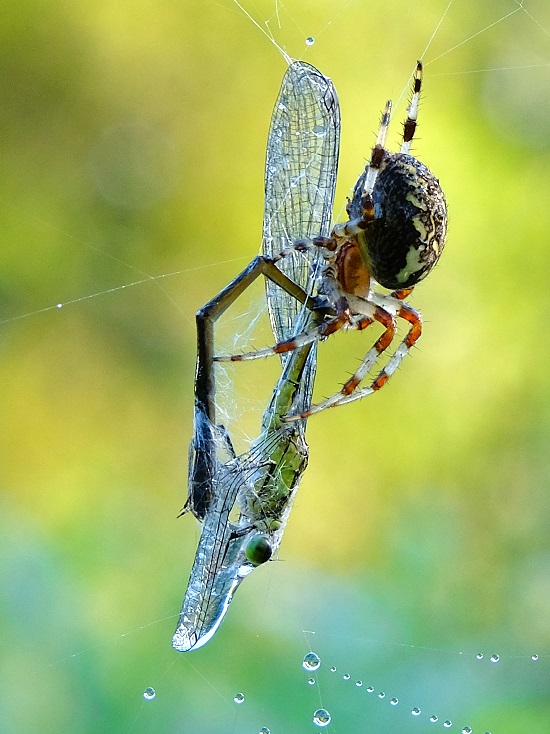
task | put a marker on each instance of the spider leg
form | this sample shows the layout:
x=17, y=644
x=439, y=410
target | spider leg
x=322, y=331
x=359, y=224
x=349, y=388
x=379, y=150
x=401, y=294
x=327, y=245
x=413, y=317
x=349, y=393
x=409, y=126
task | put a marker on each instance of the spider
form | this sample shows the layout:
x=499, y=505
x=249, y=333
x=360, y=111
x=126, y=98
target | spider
x=394, y=236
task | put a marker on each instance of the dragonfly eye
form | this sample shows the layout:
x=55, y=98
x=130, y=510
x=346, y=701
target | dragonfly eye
x=258, y=550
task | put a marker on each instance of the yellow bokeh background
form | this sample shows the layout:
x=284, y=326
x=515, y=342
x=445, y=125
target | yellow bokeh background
x=132, y=152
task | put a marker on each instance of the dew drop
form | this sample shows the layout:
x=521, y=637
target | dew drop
x=534, y=658
x=239, y=698
x=394, y=701
x=59, y=305
x=358, y=683
x=264, y=730
x=347, y=676
x=447, y=723
x=319, y=131
x=149, y=694
x=310, y=41
x=311, y=661
x=434, y=718
x=479, y=656
x=333, y=669
x=416, y=711
x=495, y=657
x=467, y=730
x=381, y=694
x=370, y=689
x=321, y=717
x=311, y=682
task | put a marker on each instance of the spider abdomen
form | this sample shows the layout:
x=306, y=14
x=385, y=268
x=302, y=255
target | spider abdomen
x=405, y=239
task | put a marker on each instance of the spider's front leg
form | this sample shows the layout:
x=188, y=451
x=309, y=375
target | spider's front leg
x=325, y=245
x=317, y=333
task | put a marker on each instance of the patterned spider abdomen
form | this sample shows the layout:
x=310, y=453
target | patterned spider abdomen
x=405, y=239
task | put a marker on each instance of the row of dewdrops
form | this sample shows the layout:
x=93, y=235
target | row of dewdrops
x=322, y=718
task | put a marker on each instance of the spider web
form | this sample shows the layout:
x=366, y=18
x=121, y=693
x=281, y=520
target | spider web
x=420, y=535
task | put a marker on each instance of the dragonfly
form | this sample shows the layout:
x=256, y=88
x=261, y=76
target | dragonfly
x=243, y=501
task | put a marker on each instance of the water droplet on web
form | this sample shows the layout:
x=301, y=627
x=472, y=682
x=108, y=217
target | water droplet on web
x=310, y=41
x=394, y=701
x=333, y=669
x=311, y=661
x=479, y=656
x=321, y=717
x=495, y=657
x=239, y=698
x=59, y=305
x=381, y=694
x=416, y=711
x=347, y=676
x=370, y=689
x=534, y=658
x=467, y=730
x=358, y=683
x=264, y=730
x=149, y=694
x=311, y=682
x=447, y=723
x=434, y=718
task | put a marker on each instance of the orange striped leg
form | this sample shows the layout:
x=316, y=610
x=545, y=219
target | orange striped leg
x=413, y=317
x=296, y=342
x=349, y=389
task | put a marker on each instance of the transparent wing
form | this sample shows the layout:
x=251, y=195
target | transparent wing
x=301, y=167
x=300, y=180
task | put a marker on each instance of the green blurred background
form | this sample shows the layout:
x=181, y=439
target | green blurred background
x=132, y=146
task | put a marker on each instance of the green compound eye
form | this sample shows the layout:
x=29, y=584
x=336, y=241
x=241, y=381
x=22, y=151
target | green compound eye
x=258, y=550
